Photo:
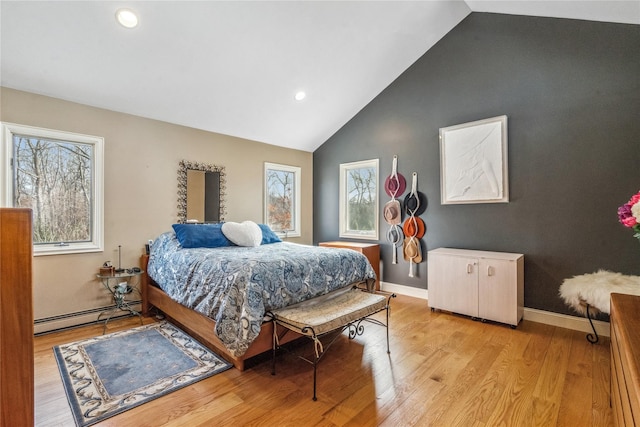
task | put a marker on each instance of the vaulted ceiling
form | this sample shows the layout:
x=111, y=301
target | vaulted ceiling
x=233, y=67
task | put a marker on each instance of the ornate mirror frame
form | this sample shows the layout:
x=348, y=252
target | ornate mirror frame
x=185, y=165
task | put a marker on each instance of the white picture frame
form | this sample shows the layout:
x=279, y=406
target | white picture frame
x=359, y=199
x=473, y=162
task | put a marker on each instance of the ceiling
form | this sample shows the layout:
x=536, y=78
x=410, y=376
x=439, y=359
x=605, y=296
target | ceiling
x=234, y=67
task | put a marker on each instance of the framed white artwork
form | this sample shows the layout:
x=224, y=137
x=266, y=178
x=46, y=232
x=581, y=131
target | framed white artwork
x=473, y=162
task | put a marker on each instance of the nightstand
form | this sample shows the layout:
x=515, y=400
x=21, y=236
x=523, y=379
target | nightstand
x=120, y=286
x=370, y=250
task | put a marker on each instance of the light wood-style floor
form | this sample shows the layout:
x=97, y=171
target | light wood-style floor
x=444, y=370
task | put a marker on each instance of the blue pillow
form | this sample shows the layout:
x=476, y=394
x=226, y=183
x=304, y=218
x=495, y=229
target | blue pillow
x=268, y=236
x=201, y=235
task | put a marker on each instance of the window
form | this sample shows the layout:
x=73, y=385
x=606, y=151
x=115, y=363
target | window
x=359, y=200
x=59, y=176
x=282, y=199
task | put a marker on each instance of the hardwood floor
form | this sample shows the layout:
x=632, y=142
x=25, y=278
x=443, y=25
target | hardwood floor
x=443, y=370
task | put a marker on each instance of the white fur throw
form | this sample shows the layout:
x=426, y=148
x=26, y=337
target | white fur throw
x=595, y=289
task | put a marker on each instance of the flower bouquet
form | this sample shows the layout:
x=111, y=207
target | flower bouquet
x=629, y=214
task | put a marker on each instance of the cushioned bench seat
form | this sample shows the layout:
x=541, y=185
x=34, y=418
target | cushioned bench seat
x=330, y=312
x=337, y=311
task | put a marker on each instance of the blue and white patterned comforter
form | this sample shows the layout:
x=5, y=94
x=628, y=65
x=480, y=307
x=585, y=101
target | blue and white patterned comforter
x=236, y=286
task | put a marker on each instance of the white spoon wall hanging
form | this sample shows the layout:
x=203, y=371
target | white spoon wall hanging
x=394, y=186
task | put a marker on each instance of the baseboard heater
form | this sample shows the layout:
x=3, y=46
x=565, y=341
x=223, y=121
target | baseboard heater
x=76, y=319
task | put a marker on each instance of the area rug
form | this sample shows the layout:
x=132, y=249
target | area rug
x=110, y=374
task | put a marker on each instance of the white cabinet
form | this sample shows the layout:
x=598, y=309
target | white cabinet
x=480, y=284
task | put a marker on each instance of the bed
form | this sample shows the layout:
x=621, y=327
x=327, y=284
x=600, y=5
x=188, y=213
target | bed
x=220, y=294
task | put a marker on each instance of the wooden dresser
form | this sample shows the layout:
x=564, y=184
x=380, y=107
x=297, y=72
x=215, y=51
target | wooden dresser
x=625, y=359
x=16, y=319
x=370, y=250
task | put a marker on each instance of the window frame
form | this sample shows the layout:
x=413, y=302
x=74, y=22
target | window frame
x=8, y=130
x=297, y=172
x=344, y=231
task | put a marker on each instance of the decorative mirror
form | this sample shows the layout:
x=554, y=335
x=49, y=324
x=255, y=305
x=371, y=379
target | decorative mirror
x=201, y=192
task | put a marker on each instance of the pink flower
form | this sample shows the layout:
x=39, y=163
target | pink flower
x=635, y=199
x=629, y=221
x=624, y=212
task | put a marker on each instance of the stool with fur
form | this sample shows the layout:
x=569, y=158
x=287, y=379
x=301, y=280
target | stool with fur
x=589, y=294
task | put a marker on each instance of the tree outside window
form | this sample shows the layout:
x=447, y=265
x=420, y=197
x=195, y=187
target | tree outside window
x=359, y=199
x=53, y=178
x=282, y=199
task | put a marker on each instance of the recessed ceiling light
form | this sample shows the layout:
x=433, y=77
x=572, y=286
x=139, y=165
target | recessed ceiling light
x=300, y=96
x=127, y=18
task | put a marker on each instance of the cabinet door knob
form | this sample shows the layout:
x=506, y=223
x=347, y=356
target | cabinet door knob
x=489, y=271
x=469, y=269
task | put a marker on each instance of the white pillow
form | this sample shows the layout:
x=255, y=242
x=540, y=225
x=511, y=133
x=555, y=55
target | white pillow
x=246, y=233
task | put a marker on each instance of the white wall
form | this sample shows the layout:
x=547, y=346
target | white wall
x=141, y=163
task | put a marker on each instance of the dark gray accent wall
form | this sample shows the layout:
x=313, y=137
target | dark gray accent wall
x=571, y=91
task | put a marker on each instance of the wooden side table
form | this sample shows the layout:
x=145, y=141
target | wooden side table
x=370, y=250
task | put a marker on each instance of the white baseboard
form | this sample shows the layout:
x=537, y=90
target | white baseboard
x=566, y=321
x=404, y=290
x=534, y=315
x=72, y=320
x=540, y=316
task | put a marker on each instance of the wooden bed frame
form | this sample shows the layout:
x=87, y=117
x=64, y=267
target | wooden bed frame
x=200, y=326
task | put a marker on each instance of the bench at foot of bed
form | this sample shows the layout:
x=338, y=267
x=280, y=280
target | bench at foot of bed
x=334, y=312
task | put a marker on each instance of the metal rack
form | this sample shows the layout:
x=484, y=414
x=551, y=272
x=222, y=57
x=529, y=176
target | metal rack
x=118, y=293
